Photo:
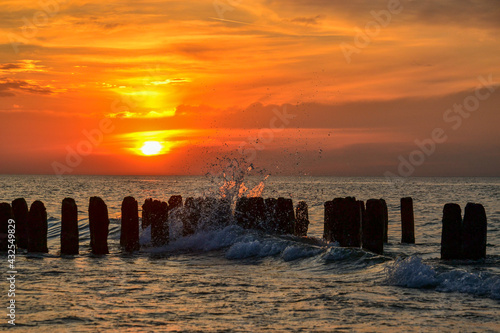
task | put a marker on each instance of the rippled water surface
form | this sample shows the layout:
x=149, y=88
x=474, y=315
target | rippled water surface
x=239, y=280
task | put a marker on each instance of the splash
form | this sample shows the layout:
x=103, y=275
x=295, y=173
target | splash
x=232, y=179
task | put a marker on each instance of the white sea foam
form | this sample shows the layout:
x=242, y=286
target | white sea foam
x=294, y=252
x=411, y=272
x=255, y=248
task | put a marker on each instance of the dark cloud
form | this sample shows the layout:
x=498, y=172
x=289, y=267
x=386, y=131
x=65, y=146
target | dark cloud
x=307, y=20
x=10, y=66
x=9, y=86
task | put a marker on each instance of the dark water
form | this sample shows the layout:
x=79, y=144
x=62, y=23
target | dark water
x=240, y=280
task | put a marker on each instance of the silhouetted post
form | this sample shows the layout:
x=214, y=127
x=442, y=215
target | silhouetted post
x=20, y=210
x=98, y=225
x=146, y=213
x=129, y=234
x=37, y=228
x=350, y=219
x=69, y=227
x=386, y=220
x=328, y=221
x=362, y=213
x=302, y=222
x=271, y=224
x=241, y=212
x=160, y=232
x=286, y=216
x=208, y=218
x=474, y=232
x=373, y=226
x=174, y=202
x=256, y=213
x=5, y=215
x=407, y=221
x=451, y=234
x=191, y=216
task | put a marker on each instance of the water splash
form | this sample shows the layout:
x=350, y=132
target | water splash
x=230, y=177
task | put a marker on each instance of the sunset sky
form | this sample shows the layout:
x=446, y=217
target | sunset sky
x=298, y=87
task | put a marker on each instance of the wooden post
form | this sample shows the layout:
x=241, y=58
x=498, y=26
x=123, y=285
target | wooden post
x=474, y=232
x=5, y=215
x=451, y=234
x=407, y=221
x=351, y=222
x=302, y=222
x=256, y=213
x=386, y=220
x=146, y=213
x=20, y=210
x=37, y=228
x=241, y=212
x=191, y=216
x=208, y=218
x=160, y=232
x=271, y=224
x=285, y=216
x=373, y=226
x=328, y=221
x=98, y=225
x=129, y=234
x=69, y=227
x=174, y=202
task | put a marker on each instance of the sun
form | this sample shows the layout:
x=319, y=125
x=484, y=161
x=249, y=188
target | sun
x=151, y=148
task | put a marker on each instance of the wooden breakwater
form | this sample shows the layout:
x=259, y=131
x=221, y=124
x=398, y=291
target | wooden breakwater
x=350, y=222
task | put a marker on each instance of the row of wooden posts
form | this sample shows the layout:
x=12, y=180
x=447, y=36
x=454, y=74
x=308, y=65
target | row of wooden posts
x=346, y=220
x=351, y=224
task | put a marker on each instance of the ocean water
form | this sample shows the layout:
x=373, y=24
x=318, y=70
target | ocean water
x=235, y=280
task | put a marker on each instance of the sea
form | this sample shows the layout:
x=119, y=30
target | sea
x=237, y=280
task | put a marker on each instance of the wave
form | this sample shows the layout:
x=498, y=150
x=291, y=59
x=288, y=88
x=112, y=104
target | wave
x=412, y=272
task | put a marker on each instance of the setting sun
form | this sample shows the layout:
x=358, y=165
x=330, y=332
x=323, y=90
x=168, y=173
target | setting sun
x=151, y=148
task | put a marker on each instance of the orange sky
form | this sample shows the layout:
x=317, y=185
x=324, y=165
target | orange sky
x=267, y=81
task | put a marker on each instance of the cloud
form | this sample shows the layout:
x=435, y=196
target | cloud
x=22, y=66
x=307, y=20
x=9, y=86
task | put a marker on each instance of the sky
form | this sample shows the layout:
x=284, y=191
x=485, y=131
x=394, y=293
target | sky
x=345, y=88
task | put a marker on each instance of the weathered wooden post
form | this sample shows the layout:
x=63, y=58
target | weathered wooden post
x=241, y=212
x=386, y=220
x=271, y=224
x=37, y=228
x=328, y=221
x=98, y=225
x=373, y=226
x=20, y=210
x=191, y=216
x=286, y=216
x=208, y=218
x=174, y=202
x=69, y=227
x=302, y=222
x=451, y=234
x=362, y=213
x=256, y=213
x=146, y=213
x=407, y=221
x=350, y=219
x=5, y=215
x=129, y=234
x=337, y=223
x=160, y=231
x=474, y=232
